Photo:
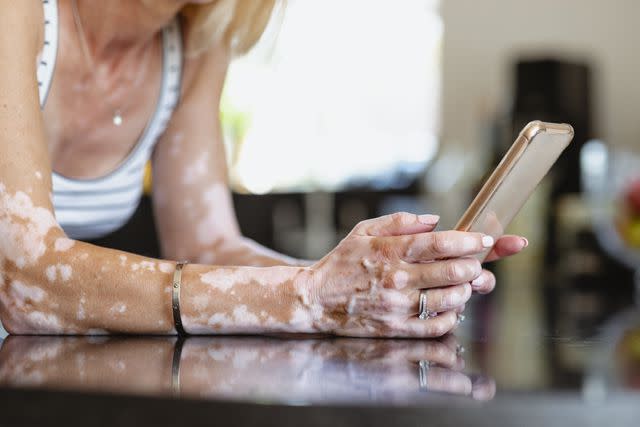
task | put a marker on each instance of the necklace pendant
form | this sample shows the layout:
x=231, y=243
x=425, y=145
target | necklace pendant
x=117, y=118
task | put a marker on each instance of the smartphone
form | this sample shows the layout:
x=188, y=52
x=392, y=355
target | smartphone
x=520, y=171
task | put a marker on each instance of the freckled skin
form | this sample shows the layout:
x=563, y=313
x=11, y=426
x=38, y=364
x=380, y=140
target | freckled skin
x=283, y=294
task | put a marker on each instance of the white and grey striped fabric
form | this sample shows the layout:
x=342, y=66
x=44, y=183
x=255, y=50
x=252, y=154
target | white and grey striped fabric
x=91, y=208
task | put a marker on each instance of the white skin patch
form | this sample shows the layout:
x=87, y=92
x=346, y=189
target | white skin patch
x=63, y=244
x=206, y=229
x=200, y=301
x=38, y=174
x=301, y=319
x=63, y=271
x=144, y=265
x=401, y=279
x=218, y=319
x=118, y=308
x=23, y=294
x=50, y=271
x=23, y=228
x=81, y=314
x=243, y=316
x=44, y=323
x=221, y=278
x=123, y=260
x=165, y=267
x=196, y=171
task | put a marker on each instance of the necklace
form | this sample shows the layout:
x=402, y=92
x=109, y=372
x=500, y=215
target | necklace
x=117, y=118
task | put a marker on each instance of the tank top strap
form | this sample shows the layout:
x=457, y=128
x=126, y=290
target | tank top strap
x=47, y=59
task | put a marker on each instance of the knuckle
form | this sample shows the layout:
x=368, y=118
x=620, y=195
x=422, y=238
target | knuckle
x=438, y=329
x=452, y=271
x=357, y=229
x=399, y=218
x=441, y=244
x=475, y=267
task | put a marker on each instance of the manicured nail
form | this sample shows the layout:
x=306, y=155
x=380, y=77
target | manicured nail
x=478, y=282
x=525, y=242
x=428, y=219
x=487, y=241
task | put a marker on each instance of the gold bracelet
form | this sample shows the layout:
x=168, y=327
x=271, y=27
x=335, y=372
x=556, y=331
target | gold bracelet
x=175, y=297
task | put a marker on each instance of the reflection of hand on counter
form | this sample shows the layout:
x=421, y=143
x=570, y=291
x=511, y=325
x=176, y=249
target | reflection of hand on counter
x=239, y=368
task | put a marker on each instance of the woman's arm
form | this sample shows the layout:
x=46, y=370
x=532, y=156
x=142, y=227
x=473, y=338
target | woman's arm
x=192, y=202
x=52, y=284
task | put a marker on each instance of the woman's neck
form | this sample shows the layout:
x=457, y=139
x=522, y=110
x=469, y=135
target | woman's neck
x=116, y=25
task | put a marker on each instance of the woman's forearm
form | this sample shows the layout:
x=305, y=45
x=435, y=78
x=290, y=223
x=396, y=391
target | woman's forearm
x=247, y=300
x=78, y=288
x=244, y=251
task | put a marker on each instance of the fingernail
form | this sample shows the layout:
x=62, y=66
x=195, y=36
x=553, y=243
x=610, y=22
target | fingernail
x=487, y=241
x=525, y=242
x=428, y=219
x=478, y=282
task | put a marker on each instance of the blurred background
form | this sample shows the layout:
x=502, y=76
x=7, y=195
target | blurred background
x=350, y=110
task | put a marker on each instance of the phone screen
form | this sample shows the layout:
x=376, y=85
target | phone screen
x=513, y=185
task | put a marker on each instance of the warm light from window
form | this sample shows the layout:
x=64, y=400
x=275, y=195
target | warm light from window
x=337, y=92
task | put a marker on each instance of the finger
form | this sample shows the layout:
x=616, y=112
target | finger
x=484, y=283
x=483, y=389
x=397, y=224
x=452, y=343
x=442, y=299
x=438, y=245
x=429, y=328
x=460, y=309
x=507, y=246
x=437, y=274
x=436, y=352
x=448, y=381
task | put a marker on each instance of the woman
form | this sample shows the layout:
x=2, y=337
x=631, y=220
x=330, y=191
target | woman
x=72, y=171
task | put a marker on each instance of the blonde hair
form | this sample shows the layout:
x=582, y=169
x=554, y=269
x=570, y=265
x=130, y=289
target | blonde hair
x=236, y=24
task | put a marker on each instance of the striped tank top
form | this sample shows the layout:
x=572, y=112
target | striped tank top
x=92, y=208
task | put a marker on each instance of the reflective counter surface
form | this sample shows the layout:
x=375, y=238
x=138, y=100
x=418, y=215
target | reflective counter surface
x=592, y=378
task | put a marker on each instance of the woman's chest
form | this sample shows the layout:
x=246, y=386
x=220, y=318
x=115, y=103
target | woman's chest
x=96, y=112
x=91, y=124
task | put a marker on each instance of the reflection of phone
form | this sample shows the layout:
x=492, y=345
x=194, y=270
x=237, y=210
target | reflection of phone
x=528, y=160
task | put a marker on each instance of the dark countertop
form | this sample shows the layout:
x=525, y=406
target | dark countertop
x=324, y=380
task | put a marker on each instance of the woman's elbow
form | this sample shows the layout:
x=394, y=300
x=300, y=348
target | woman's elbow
x=30, y=267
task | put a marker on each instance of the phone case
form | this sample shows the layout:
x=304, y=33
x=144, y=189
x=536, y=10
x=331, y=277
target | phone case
x=520, y=171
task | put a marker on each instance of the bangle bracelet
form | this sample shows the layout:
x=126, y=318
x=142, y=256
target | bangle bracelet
x=175, y=297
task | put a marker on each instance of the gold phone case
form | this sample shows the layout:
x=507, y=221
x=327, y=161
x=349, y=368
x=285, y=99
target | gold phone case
x=520, y=171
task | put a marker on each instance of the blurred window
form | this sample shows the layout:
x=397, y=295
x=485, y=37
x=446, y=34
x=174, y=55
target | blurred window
x=337, y=93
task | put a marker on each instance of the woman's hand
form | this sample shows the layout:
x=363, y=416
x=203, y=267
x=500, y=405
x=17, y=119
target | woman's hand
x=370, y=284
